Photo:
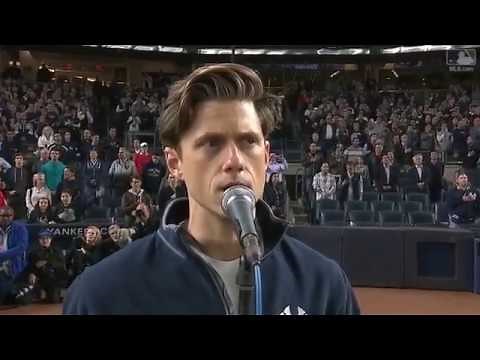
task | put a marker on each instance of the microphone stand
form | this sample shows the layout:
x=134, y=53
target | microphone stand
x=245, y=283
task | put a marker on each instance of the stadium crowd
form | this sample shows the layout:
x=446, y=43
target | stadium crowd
x=63, y=161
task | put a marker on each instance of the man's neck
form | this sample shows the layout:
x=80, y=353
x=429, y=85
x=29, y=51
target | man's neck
x=219, y=239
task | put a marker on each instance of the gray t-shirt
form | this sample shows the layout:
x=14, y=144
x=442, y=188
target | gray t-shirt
x=227, y=270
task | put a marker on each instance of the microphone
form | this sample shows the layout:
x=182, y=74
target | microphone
x=238, y=203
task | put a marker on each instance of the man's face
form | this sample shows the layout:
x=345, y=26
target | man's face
x=386, y=160
x=355, y=141
x=93, y=155
x=45, y=241
x=404, y=138
x=6, y=216
x=136, y=184
x=324, y=169
x=315, y=137
x=54, y=155
x=462, y=180
x=121, y=154
x=434, y=157
x=57, y=138
x=136, y=144
x=155, y=159
x=68, y=137
x=43, y=204
x=66, y=199
x=378, y=148
x=313, y=148
x=391, y=156
x=418, y=160
x=19, y=161
x=469, y=140
x=67, y=174
x=112, y=132
x=87, y=135
x=226, y=145
x=91, y=236
x=114, y=232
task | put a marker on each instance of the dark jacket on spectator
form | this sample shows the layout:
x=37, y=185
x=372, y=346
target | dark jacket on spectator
x=166, y=194
x=460, y=141
x=462, y=211
x=436, y=180
x=274, y=195
x=152, y=177
x=65, y=215
x=381, y=179
x=37, y=217
x=413, y=179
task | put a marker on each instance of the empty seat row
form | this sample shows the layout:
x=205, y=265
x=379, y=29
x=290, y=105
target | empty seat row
x=368, y=218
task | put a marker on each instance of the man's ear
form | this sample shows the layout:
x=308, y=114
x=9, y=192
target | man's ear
x=174, y=163
x=267, y=153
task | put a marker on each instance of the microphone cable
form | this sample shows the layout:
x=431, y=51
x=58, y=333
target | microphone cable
x=258, y=289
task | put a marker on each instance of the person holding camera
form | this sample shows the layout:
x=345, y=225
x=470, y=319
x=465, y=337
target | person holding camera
x=146, y=221
x=462, y=202
x=47, y=268
x=278, y=165
x=132, y=198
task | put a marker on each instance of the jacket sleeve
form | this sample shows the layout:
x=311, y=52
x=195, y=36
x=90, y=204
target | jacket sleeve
x=19, y=247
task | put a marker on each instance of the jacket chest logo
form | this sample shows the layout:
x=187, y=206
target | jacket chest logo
x=293, y=310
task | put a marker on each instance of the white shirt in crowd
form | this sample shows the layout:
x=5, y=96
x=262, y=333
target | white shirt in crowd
x=325, y=186
x=34, y=194
x=328, y=132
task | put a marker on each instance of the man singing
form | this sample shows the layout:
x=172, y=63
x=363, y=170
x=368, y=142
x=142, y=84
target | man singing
x=214, y=126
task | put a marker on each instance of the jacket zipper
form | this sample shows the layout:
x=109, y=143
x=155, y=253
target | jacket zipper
x=217, y=281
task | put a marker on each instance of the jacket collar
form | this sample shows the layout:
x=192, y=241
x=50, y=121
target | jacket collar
x=271, y=227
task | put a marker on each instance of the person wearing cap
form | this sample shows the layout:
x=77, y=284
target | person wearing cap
x=46, y=267
x=142, y=158
x=153, y=174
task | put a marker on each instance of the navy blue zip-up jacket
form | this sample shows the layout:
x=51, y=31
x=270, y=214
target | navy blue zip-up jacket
x=161, y=274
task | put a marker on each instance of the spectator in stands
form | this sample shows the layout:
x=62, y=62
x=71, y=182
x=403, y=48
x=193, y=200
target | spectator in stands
x=153, y=174
x=47, y=268
x=136, y=146
x=13, y=247
x=66, y=212
x=354, y=150
x=444, y=138
x=275, y=196
x=53, y=171
x=169, y=189
x=462, y=202
x=57, y=143
x=277, y=164
x=110, y=146
x=71, y=154
x=471, y=156
x=312, y=164
x=18, y=180
x=336, y=160
x=349, y=184
x=324, y=185
x=3, y=192
x=93, y=180
x=403, y=151
x=121, y=237
x=38, y=191
x=120, y=173
x=42, y=213
x=436, y=169
x=46, y=139
x=146, y=221
x=84, y=252
x=418, y=176
x=44, y=155
x=134, y=196
x=85, y=143
x=374, y=159
x=427, y=139
x=387, y=176
x=328, y=135
x=142, y=158
x=70, y=183
x=475, y=132
x=134, y=122
x=460, y=140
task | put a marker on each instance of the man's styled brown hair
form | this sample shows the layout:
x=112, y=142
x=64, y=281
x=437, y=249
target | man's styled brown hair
x=213, y=82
